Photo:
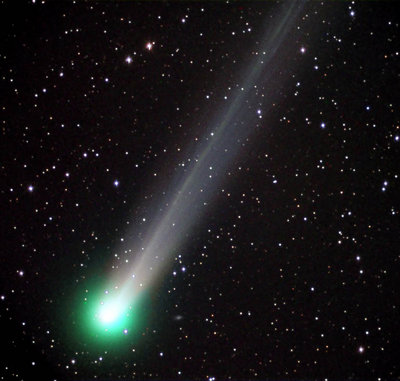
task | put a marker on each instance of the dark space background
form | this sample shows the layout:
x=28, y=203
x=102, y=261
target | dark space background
x=292, y=273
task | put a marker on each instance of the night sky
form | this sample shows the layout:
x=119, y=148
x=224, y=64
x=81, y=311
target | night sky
x=289, y=270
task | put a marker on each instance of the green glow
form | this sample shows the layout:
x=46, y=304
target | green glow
x=104, y=319
x=113, y=316
x=107, y=317
x=109, y=312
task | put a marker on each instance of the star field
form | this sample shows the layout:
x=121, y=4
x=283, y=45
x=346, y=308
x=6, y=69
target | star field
x=290, y=270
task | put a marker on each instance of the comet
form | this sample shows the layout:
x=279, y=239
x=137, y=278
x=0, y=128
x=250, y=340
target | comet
x=187, y=202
